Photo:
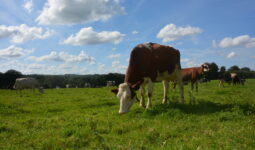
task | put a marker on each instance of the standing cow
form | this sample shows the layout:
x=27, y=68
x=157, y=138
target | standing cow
x=149, y=62
x=194, y=74
x=27, y=83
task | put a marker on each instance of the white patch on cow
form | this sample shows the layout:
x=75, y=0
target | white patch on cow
x=176, y=75
x=27, y=83
x=124, y=95
x=146, y=45
x=205, y=67
x=166, y=76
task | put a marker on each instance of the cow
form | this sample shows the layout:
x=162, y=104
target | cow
x=27, y=83
x=149, y=63
x=236, y=79
x=110, y=83
x=194, y=74
x=225, y=77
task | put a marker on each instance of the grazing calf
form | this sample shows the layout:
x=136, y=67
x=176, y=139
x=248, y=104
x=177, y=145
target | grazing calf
x=149, y=62
x=27, y=83
x=194, y=74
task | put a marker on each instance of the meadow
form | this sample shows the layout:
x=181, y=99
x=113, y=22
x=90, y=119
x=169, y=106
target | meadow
x=87, y=118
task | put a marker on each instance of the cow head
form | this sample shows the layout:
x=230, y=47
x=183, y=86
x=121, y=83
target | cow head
x=127, y=96
x=205, y=67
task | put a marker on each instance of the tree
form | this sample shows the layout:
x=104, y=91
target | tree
x=245, y=69
x=213, y=73
x=222, y=72
x=234, y=68
x=222, y=69
x=9, y=78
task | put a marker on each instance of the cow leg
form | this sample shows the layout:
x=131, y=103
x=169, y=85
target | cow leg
x=166, y=87
x=174, y=84
x=180, y=82
x=142, y=101
x=192, y=85
x=197, y=86
x=150, y=90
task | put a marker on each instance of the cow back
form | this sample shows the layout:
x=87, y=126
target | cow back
x=149, y=61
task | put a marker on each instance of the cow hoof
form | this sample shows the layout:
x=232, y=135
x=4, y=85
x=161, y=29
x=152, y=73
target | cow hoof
x=164, y=101
x=148, y=107
x=142, y=105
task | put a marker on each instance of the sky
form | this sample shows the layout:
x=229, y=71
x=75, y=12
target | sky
x=97, y=36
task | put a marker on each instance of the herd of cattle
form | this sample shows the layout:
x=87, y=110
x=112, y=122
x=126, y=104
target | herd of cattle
x=149, y=63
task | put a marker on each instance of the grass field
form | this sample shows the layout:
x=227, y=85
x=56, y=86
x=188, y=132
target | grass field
x=221, y=118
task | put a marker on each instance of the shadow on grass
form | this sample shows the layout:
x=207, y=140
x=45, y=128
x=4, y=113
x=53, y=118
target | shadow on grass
x=102, y=104
x=201, y=108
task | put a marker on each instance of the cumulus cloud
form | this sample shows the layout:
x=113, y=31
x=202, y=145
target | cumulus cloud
x=28, y=5
x=189, y=62
x=64, y=12
x=113, y=56
x=243, y=40
x=231, y=55
x=23, y=33
x=135, y=32
x=13, y=52
x=65, y=57
x=118, y=67
x=172, y=33
x=87, y=36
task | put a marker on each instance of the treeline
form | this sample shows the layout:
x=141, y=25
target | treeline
x=8, y=78
x=216, y=72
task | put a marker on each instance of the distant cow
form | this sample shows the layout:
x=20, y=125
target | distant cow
x=233, y=78
x=226, y=77
x=194, y=74
x=149, y=62
x=87, y=85
x=236, y=79
x=110, y=83
x=27, y=83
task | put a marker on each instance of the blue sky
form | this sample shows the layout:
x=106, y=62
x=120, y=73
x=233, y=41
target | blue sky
x=96, y=36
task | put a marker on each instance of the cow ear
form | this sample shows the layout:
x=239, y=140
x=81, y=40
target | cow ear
x=115, y=91
x=136, y=86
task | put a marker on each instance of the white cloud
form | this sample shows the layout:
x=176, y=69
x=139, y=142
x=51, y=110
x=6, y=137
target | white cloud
x=87, y=36
x=65, y=57
x=243, y=40
x=172, y=33
x=78, y=11
x=214, y=44
x=117, y=67
x=114, y=56
x=28, y=5
x=115, y=63
x=14, y=52
x=231, y=55
x=135, y=32
x=189, y=62
x=23, y=33
x=184, y=60
x=35, y=68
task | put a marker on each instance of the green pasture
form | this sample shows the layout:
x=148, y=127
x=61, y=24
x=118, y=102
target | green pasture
x=87, y=118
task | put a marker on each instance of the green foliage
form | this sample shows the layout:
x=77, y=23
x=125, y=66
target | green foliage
x=87, y=118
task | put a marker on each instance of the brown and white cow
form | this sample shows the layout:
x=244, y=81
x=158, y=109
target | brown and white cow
x=194, y=74
x=149, y=62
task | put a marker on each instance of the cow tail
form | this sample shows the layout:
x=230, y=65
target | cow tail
x=179, y=59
